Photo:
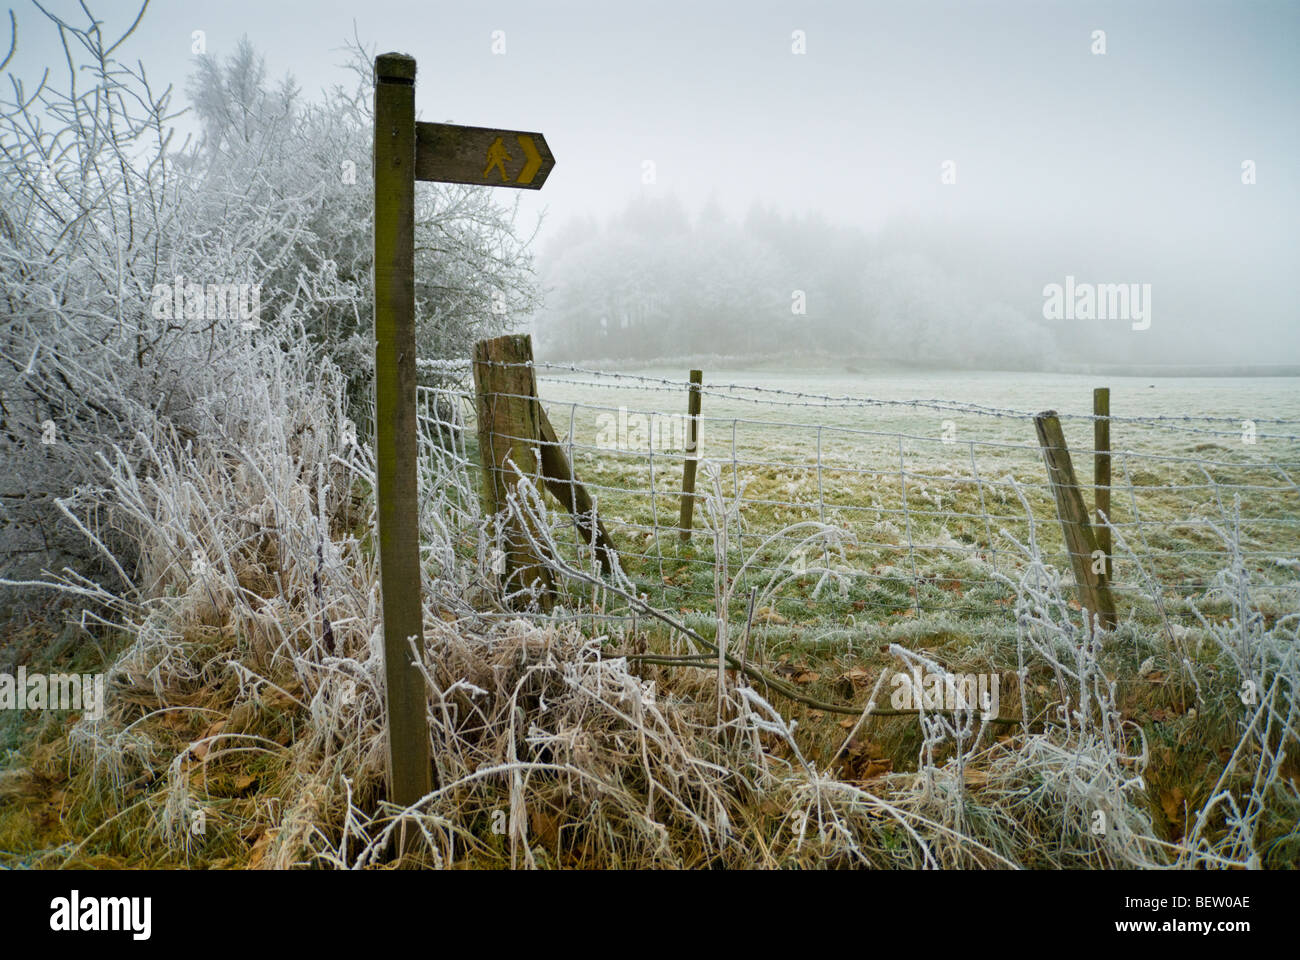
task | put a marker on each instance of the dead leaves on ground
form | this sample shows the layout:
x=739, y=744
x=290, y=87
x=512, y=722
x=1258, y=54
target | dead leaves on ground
x=1174, y=805
x=863, y=760
x=797, y=672
x=260, y=846
x=848, y=683
x=200, y=747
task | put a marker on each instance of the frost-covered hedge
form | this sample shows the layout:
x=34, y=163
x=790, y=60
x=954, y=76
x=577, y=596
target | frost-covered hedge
x=139, y=276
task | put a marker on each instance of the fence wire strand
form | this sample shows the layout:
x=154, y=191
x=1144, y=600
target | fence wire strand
x=930, y=526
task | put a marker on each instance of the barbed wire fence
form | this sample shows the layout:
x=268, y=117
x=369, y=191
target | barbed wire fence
x=842, y=511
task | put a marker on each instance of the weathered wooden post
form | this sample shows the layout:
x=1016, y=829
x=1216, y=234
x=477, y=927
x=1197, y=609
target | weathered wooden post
x=1094, y=591
x=406, y=151
x=509, y=432
x=692, y=453
x=395, y=426
x=509, y=426
x=1101, y=472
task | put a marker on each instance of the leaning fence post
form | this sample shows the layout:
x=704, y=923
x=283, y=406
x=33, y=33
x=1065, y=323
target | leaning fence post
x=396, y=441
x=1101, y=472
x=692, y=453
x=1094, y=591
x=509, y=431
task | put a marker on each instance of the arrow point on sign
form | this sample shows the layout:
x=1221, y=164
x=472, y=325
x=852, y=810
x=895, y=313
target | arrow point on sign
x=534, y=159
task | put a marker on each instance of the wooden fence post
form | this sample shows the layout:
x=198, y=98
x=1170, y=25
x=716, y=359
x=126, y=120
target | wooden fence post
x=1094, y=591
x=692, y=453
x=395, y=428
x=1101, y=472
x=509, y=429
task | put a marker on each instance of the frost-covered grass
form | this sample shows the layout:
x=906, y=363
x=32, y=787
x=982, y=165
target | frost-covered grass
x=957, y=593
x=1076, y=782
x=246, y=692
x=246, y=696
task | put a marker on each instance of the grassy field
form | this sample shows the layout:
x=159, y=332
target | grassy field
x=928, y=495
x=928, y=499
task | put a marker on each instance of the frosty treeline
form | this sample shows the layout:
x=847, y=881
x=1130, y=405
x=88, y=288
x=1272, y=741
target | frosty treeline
x=660, y=281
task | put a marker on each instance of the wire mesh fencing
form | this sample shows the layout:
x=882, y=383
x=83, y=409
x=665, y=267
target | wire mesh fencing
x=837, y=512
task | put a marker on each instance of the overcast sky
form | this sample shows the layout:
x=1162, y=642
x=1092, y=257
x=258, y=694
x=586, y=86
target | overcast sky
x=1133, y=159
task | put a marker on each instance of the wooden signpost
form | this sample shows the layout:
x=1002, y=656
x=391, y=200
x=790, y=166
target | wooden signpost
x=406, y=151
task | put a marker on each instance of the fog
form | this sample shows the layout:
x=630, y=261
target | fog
x=718, y=161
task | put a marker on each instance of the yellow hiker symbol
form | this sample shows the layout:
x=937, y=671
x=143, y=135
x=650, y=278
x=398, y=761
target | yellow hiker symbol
x=497, y=157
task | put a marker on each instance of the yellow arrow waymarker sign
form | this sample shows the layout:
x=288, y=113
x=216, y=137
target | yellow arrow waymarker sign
x=447, y=153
